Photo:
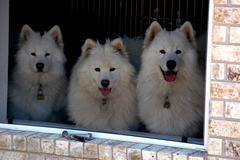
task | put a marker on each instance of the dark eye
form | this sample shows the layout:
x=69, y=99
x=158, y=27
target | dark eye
x=33, y=54
x=97, y=69
x=162, y=51
x=178, y=51
x=112, y=69
x=47, y=54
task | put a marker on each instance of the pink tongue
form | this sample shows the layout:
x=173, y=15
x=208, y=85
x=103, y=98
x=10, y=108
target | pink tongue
x=105, y=91
x=170, y=76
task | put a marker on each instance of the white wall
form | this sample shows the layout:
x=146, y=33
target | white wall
x=4, y=30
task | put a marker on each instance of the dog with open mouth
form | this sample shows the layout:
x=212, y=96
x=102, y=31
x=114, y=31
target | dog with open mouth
x=102, y=91
x=170, y=87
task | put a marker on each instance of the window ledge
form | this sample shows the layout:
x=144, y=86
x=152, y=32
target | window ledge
x=35, y=145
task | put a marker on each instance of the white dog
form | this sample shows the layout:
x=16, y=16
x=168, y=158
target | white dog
x=170, y=86
x=102, y=92
x=38, y=86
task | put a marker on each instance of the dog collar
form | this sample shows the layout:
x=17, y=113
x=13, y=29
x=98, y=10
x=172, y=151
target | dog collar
x=167, y=103
x=103, y=106
x=40, y=95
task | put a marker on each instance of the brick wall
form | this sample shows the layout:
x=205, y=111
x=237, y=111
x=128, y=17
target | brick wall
x=224, y=113
x=26, y=145
x=224, y=121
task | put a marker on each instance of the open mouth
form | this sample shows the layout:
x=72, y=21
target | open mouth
x=169, y=76
x=105, y=91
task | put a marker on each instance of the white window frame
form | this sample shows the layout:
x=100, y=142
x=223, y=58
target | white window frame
x=4, y=39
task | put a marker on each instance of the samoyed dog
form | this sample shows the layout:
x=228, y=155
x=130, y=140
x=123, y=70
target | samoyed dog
x=170, y=87
x=102, y=91
x=38, y=86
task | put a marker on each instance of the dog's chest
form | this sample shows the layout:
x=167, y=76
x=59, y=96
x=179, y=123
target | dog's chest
x=103, y=106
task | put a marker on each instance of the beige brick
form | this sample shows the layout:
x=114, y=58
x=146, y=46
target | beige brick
x=120, y=150
x=221, y=90
x=235, y=2
x=20, y=141
x=232, y=148
x=61, y=146
x=9, y=155
x=198, y=156
x=219, y=34
x=214, y=146
x=134, y=152
x=224, y=128
x=216, y=109
x=37, y=156
x=6, y=139
x=221, y=2
x=34, y=142
x=105, y=149
x=48, y=143
x=91, y=148
x=166, y=153
x=47, y=146
x=182, y=154
x=85, y=159
x=217, y=71
x=225, y=53
x=232, y=110
x=233, y=72
x=224, y=15
x=90, y=151
x=76, y=148
x=216, y=158
x=150, y=153
x=234, y=35
x=105, y=152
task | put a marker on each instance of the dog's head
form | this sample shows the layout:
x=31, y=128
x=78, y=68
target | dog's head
x=169, y=51
x=39, y=53
x=104, y=67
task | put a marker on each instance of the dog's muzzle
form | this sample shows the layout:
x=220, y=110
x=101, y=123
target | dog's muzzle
x=170, y=75
x=40, y=67
x=105, y=91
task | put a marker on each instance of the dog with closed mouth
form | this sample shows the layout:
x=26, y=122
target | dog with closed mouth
x=38, y=82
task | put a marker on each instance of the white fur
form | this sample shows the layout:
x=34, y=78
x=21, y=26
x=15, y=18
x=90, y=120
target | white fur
x=25, y=80
x=85, y=98
x=185, y=94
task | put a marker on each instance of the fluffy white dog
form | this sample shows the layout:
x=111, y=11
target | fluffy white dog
x=37, y=90
x=102, y=92
x=170, y=86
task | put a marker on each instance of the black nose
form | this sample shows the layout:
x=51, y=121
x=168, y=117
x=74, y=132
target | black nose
x=39, y=66
x=171, y=64
x=105, y=83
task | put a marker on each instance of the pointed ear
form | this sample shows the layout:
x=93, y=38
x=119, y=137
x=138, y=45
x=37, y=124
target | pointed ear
x=86, y=48
x=118, y=45
x=24, y=35
x=151, y=32
x=190, y=33
x=55, y=32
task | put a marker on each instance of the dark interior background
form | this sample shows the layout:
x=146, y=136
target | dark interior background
x=101, y=19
